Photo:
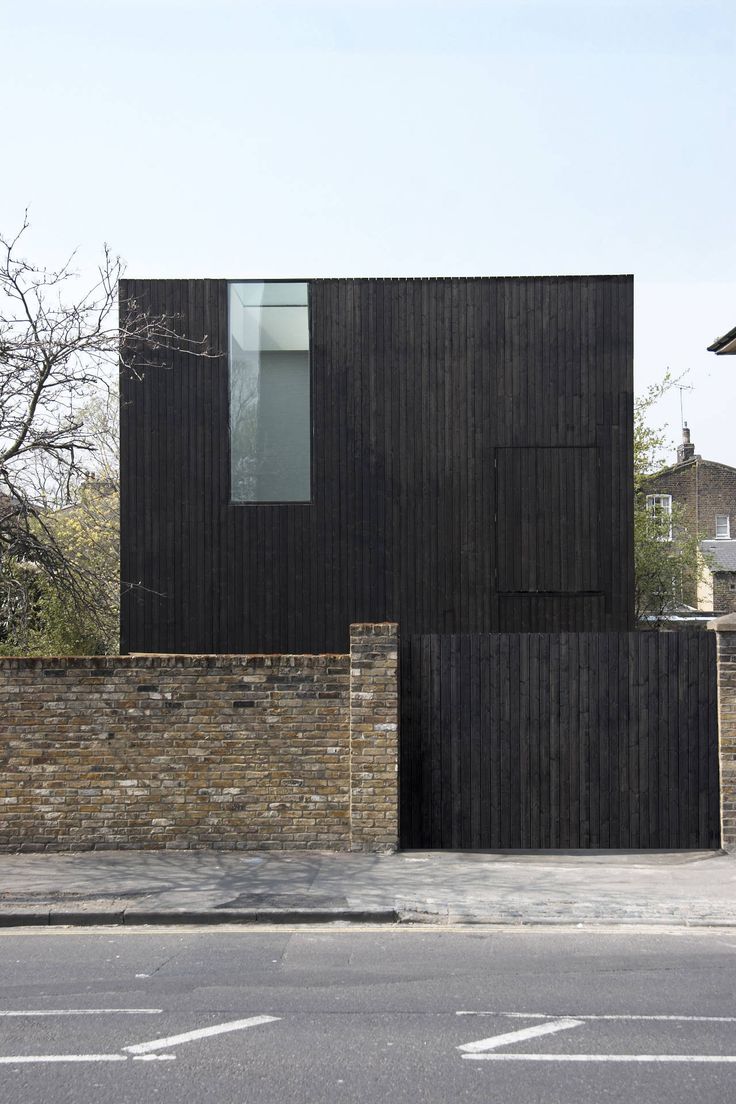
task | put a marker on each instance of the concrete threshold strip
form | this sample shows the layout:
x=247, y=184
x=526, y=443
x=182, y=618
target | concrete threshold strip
x=484, y=1050
x=141, y=1052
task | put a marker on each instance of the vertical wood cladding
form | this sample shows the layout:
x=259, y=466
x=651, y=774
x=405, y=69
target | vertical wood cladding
x=537, y=740
x=471, y=470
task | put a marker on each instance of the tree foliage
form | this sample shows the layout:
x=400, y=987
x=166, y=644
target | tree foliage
x=666, y=558
x=38, y=614
x=59, y=354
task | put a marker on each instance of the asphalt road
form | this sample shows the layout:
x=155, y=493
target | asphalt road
x=350, y=1015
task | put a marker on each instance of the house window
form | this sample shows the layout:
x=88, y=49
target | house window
x=723, y=527
x=270, y=422
x=660, y=509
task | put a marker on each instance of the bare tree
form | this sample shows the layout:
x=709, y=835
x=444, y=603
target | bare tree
x=59, y=347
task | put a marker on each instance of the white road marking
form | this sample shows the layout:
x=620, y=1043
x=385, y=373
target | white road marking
x=199, y=1033
x=600, y=1057
x=85, y=1012
x=581, y=1016
x=518, y=1036
x=22, y=1059
x=478, y=1051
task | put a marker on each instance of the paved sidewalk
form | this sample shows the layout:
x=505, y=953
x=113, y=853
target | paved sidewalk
x=134, y=887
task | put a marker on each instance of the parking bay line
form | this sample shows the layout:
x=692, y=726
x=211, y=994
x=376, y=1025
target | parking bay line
x=82, y=1012
x=140, y=1052
x=25, y=1059
x=601, y=1057
x=479, y=1051
x=610, y=1016
x=199, y=1033
x=474, y=1049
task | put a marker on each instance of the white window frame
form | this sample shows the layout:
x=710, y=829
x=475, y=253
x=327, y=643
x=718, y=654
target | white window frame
x=727, y=534
x=658, y=504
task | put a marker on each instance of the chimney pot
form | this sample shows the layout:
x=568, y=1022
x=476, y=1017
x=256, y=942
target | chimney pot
x=686, y=450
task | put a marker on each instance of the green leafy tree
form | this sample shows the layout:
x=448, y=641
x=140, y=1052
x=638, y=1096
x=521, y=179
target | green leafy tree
x=59, y=351
x=667, y=563
x=39, y=613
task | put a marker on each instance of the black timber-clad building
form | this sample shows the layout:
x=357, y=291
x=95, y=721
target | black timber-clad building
x=451, y=454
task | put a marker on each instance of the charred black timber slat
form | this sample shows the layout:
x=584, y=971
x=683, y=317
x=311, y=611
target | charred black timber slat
x=535, y=751
x=587, y=744
x=659, y=797
x=506, y=673
x=524, y=773
x=600, y=699
x=653, y=755
x=595, y=671
x=432, y=738
x=484, y=737
x=673, y=716
x=682, y=742
x=703, y=719
x=514, y=739
x=456, y=746
x=693, y=724
x=712, y=774
x=494, y=739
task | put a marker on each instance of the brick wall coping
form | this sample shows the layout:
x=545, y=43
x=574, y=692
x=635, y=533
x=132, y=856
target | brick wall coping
x=727, y=623
x=166, y=659
x=191, y=659
x=374, y=626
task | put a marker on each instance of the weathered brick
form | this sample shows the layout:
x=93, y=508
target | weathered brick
x=727, y=729
x=94, y=755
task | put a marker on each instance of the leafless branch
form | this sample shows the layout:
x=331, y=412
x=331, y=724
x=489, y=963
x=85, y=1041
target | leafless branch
x=59, y=351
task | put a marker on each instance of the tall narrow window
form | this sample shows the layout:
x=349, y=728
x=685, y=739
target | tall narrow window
x=723, y=527
x=270, y=423
x=660, y=510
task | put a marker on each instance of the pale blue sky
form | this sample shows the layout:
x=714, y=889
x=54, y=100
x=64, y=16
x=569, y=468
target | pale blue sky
x=418, y=137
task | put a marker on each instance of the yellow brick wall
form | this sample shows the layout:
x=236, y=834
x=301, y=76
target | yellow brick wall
x=199, y=751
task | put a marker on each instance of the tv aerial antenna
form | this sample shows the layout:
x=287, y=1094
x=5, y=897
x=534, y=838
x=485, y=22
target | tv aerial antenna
x=683, y=387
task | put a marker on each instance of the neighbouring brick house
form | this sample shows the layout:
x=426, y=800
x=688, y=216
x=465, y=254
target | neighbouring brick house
x=705, y=493
x=718, y=588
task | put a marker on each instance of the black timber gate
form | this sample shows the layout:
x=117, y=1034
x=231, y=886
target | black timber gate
x=559, y=740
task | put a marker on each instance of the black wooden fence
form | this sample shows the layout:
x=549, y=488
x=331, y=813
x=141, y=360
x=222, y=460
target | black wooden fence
x=572, y=740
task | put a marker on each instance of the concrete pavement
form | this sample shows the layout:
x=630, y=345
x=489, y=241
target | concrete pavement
x=169, y=887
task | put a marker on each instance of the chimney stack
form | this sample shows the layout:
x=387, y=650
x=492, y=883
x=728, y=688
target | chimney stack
x=685, y=451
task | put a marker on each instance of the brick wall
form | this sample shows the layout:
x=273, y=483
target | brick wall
x=202, y=751
x=716, y=490
x=724, y=591
x=726, y=629
x=374, y=736
x=679, y=482
x=703, y=489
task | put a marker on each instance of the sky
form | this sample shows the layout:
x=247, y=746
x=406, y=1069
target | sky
x=281, y=138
